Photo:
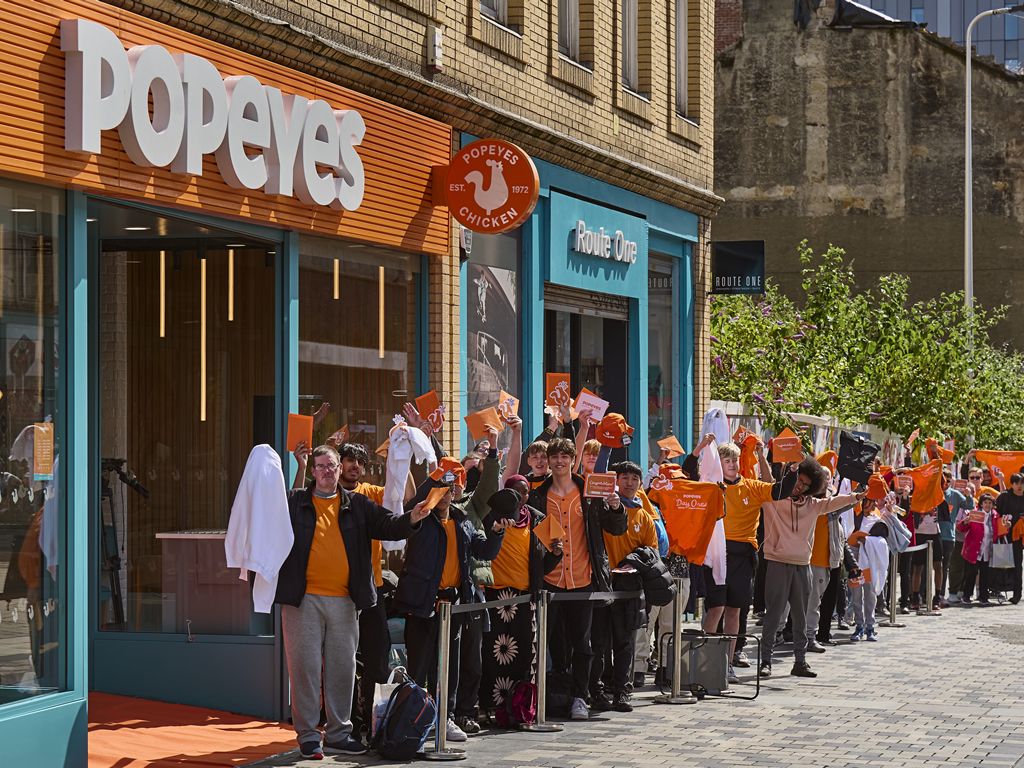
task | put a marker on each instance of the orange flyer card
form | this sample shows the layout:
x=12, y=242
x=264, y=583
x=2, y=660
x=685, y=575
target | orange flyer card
x=599, y=485
x=382, y=449
x=556, y=389
x=42, y=451
x=435, y=495
x=906, y=482
x=300, y=428
x=508, y=406
x=431, y=410
x=479, y=422
x=548, y=530
x=977, y=516
x=786, y=447
x=672, y=445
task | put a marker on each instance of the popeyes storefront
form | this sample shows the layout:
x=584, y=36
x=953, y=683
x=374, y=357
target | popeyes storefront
x=194, y=242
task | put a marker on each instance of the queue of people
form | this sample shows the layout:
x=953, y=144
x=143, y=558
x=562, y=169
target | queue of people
x=793, y=543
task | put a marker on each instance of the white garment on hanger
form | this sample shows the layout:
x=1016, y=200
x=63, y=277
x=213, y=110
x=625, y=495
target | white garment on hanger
x=260, y=532
x=715, y=556
x=407, y=443
x=716, y=423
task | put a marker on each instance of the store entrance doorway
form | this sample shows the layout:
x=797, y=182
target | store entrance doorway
x=586, y=336
x=185, y=383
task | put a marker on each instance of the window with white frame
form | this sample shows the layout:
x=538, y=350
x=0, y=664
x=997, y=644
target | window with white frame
x=630, y=45
x=495, y=10
x=569, y=29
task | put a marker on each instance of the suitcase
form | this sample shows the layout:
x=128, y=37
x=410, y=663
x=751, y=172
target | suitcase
x=705, y=662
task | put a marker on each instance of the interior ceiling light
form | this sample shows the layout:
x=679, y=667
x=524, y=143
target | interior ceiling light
x=231, y=284
x=136, y=229
x=337, y=285
x=380, y=317
x=23, y=210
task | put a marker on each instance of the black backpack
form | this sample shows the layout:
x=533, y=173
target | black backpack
x=403, y=730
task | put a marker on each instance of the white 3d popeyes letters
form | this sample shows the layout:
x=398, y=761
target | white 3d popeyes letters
x=261, y=138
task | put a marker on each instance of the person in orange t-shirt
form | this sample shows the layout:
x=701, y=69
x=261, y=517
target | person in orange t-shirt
x=743, y=500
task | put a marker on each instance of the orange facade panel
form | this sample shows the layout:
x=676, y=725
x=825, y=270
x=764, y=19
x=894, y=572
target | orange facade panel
x=397, y=151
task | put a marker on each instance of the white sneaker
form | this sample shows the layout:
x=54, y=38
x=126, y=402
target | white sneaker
x=954, y=598
x=579, y=710
x=731, y=677
x=453, y=733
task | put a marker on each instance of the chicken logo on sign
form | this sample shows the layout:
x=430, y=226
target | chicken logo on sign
x=492, y=186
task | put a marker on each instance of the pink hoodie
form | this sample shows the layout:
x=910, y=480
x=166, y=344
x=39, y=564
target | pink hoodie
x=789, y=527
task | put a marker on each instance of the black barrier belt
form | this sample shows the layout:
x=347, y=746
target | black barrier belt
x=473, y=607
x=561, y=597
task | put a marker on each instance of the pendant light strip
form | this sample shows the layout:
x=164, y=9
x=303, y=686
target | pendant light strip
x=202, y=340
x=380, y=318
x=163, y=294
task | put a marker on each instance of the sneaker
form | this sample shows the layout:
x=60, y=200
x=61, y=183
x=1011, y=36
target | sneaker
x=954, y=598
x=452, y=732
x=984, y=601
x=731, y=677
x=579, y=710
x=621, y=703
x=858, y=635
x=802, y=669
x=842, y=625
x=469, y=725
x=871, y=636
x=600, y=702
x=740, y=659
x=1015, y=599
x=904, y=610
x=765, y=670
x=639, y=680
x=347, y=746
x=815, y=647
x=311, y=750
x=966, y=600
x=936, y=603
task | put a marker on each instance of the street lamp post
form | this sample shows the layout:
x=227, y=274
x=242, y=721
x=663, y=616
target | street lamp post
x=969, y=178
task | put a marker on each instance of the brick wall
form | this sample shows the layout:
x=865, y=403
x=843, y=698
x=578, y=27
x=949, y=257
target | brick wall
x=509, y=84
x=728, y=23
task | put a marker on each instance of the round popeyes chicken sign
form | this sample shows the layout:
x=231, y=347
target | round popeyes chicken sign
x=493, y=186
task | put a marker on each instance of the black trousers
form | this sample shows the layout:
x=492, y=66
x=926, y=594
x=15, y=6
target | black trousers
x=972, y=571
x=829, y=600
x=372, y=662
x=421, y=652
x=470, y=664
x=573, y=620
x=1018, y=561
x=905, y=562
x=613, y=640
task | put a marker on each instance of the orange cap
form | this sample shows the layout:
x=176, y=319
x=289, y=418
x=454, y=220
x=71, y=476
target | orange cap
x=878, y=489
x=614, y=432
x=829, y=460
x=448, y=465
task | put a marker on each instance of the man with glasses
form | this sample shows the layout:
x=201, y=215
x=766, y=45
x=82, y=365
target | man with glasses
x=324, y=583
x=1011, y=503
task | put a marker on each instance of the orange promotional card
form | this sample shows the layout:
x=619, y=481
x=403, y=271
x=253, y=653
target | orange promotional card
x=508, y=406
x=599, y=485
x=431, y=410
x=435, y=495
x=382, y=449
x=548, y=530
x=42, y=451
x=786, y=447
x=672, y=445
x=479, y=422
x=556, y=389
x=300, y=429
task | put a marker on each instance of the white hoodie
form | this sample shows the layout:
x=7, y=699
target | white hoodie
x=260, y=532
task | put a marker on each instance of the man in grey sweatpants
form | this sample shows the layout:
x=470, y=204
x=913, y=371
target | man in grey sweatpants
x=788, y=538
x=325, y=581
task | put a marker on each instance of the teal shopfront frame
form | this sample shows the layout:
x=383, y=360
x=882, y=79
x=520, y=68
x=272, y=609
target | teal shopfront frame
x=51, y=730
x=670, y=232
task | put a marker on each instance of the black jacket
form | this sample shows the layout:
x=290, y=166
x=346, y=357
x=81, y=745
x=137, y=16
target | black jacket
x=360, y=520
x=597, y=517
x=542, y=561
x=424, y=561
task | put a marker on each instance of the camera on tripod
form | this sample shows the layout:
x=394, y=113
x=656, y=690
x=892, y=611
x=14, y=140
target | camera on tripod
x=125, y=475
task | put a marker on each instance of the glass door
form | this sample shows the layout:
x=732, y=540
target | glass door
x=186, y=385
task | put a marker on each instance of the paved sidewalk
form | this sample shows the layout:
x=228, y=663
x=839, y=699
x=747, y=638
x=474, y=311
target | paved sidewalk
x=943, y=691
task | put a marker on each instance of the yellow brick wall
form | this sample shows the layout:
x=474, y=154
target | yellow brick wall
x=517, y=87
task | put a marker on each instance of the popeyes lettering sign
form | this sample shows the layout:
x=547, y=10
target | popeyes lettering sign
x=492, y=186
x=261, y=138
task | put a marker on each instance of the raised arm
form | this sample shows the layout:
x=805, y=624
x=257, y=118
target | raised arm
x=515, y=448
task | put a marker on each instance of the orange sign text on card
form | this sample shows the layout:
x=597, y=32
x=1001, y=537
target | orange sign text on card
x=599, y=484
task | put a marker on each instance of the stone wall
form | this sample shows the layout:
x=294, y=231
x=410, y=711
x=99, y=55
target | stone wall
x=856, y=137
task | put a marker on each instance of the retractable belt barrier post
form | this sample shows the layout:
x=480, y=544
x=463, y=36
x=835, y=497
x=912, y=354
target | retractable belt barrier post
x=929, y=590
x=678, y=695
x=894, y=576
x=542, y=726
x=441, y=750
